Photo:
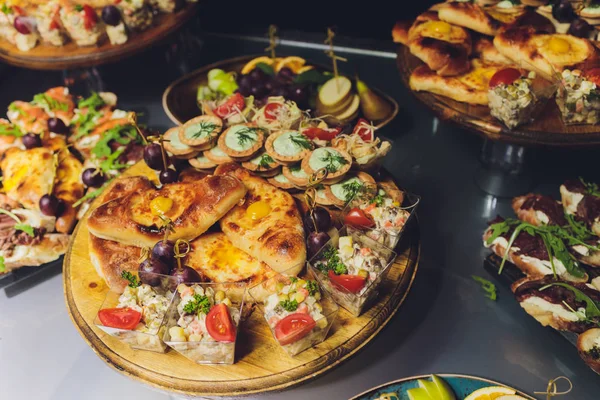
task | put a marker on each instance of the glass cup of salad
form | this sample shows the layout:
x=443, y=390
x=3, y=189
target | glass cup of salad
x=380, y=212
x=203, y=321
x=298, y=313
x=137, y=316
x=351, y=268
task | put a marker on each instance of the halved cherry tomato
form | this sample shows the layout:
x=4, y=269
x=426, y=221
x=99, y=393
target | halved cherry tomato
x=293, y=328
x=53, y=25
x=121, y=318
x=235, y=102
x=90, y=17
x=357, y=217
x=352, y=283
x=365, y=130
x=505, y=76
x=320, y=133
x=593, y=75
x=272, y=111
x=219, y=324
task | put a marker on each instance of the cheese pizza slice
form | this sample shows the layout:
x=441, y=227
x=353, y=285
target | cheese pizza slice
x=112, y=258
x=267, y=225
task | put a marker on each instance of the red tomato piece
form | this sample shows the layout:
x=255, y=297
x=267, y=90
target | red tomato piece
x=18, y=10
x=293, y=328
x=219, y=324
x=90, y=17
x=272, y=111
x=233, y=103
x=593, y=75
x=121, y=318
x=365, y=130
x=322, y=134
x=505, y=76
x=352, y=283
x=357, y=218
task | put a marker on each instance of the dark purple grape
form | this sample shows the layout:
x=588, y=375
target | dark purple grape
x=315, y=241
x=186, y=275
x=23, y=25
x=165, y=252
x=50, y=205
x=580, y=28
x=257, y=75
x=153, y=156
x=111, y=15
x=322, y=219
x=563, y=11
x=31, y=140
x=56, y=125
x=149, y=267
x=286, y=74
x=93, y=177
x=298, y=93
x=281, y=91
x=179, y=164
x=258, y=89
x=244, y=82
x=168, y=176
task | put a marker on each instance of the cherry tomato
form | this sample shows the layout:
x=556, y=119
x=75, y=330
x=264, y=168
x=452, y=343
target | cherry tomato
x=219, y=324
x=272, y=111
x=54, y=25
x=121, y=318
x=322, y=134
x=18, y=10
x=235, y=102
x=293, y=328
x=357, y=217
x=352, y=283
x=505, y=76
x=365, y=130
x=593, y=75
x=90, y=18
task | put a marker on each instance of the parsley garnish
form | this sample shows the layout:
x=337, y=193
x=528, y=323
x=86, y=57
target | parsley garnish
x=132, y=279
x=244, y=135
x=379, y=199
x=330, y=254
x=265, y=161
x=312, y=287
x=487, y=286
x=351, y=189
x=2, y=266
x=10, y=130
x=199, y=304
x=293, y=279
x=332, y=159
x=301, y=141
x=204, y=129
x=289, y=305
x=94, y=101
x=78, y=7
x=45, y=101
x=6, y=9
x=592, y=309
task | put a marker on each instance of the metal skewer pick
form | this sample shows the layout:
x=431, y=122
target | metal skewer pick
x=552, y=390
x=331, y=54
x=273, y=39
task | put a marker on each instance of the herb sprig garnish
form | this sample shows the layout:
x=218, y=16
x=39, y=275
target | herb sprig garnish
x=301, y=141
x=379, y=199
x=265, y=161
x=289, y=305
x=2, y=266
x=199, y=304
x=590, y=188
x=246, y=135
x=92, y=194
x=312, y=287
x=45, y=101
x=6, y=9
x=488, y=287
x=331, y=159
x=553, y=237
x=204, y=128
x=10, y=130
x=132, y=279
x=122, y=134
x=19, y=226
x=94, y=101
x=592, y=308
x=331, y=255
x=351, y=189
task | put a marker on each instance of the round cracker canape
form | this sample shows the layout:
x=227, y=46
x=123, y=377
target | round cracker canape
x=196, y=153
x=174, y=146
x=590, y=14
x=200, y=131
x=217, y=156
x=202, y=162
x=281, y=182
x=270, y=173
x=508, y=7
x=321, y=196
x=342, y=192
x=261, y=162
x=336, y=161
x=534, y=3
x=296, y=174
x=288, y=146
x=241, y=141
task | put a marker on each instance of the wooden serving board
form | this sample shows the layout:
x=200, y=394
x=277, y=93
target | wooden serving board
x=48, y=57
x=547, y=130
x=261, y=365
x=179, y=99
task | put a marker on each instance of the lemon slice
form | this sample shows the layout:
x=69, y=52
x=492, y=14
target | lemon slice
x=294, y=63
x=252, y=64
x=490, y=393
x=304, y=69
x=511, y=397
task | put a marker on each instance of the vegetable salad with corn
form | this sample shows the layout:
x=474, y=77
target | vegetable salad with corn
x=513, y=104
x=388, y=216
x=151, y=304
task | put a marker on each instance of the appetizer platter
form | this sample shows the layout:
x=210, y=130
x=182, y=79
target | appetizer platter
x=180, y=264
x=63, y=34
x=523, y=72
x=313, y=88
x=442, y=387
x=552, y=248
x=58, y=151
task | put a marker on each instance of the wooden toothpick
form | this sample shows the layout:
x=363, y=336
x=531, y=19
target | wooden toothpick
x=273, y=39
x=331, y=54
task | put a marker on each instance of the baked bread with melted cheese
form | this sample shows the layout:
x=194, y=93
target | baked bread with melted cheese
x=469, y=15
x=112, y=258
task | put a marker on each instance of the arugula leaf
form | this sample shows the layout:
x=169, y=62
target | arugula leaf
x=10, y=130
x=133, y=280
x=266, y=68
x=120, y=134
x=289, y=305
x=487, y=286
x=6, y=9
x=94, y=101
x=91, y=194
x=111, y=163
x=43, y=100
x=28, y=229
x=85, y=123
x=2, y=266
x=199, y=304
x=311, y=77
x=590, y=188
x=592, y=309
x=580, y=230
x=498, y=229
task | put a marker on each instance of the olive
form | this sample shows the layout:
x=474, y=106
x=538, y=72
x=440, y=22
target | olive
x=111, y=15
x=321, y=217
x=168, y=176
x=580, y=28
x=151, y=267
x=93, y=177
x=315, y=241
x=31, y=140
x=57, y=125
x=165, y=252
x=186, y=275
x=22, y=25
x=50, y=205
x=153, y=156
x=563, y=11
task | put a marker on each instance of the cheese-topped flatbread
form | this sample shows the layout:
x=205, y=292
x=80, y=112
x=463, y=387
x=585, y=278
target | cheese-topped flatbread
x=68, y=188
x=470, y=16
x=112, y=258
x=267, y=225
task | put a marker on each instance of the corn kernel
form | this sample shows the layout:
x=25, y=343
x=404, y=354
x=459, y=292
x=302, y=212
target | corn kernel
x=283, y=297
x=318, y=307
x=300, y=283
x=299, y=297
x=322, y=323
x=227, y=302
x=220, y=295
x=318, y=296
x=177, y=334
x=363, y=273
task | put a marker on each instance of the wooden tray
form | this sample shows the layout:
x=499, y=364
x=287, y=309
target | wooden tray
x=261, y=365
x=547, y=130
x=48, y=57
x=179, y=99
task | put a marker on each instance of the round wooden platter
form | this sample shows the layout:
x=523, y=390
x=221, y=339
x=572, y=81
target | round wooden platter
x=261, y=365
x=547, y=129
x=69, y=56
x=179, y=99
